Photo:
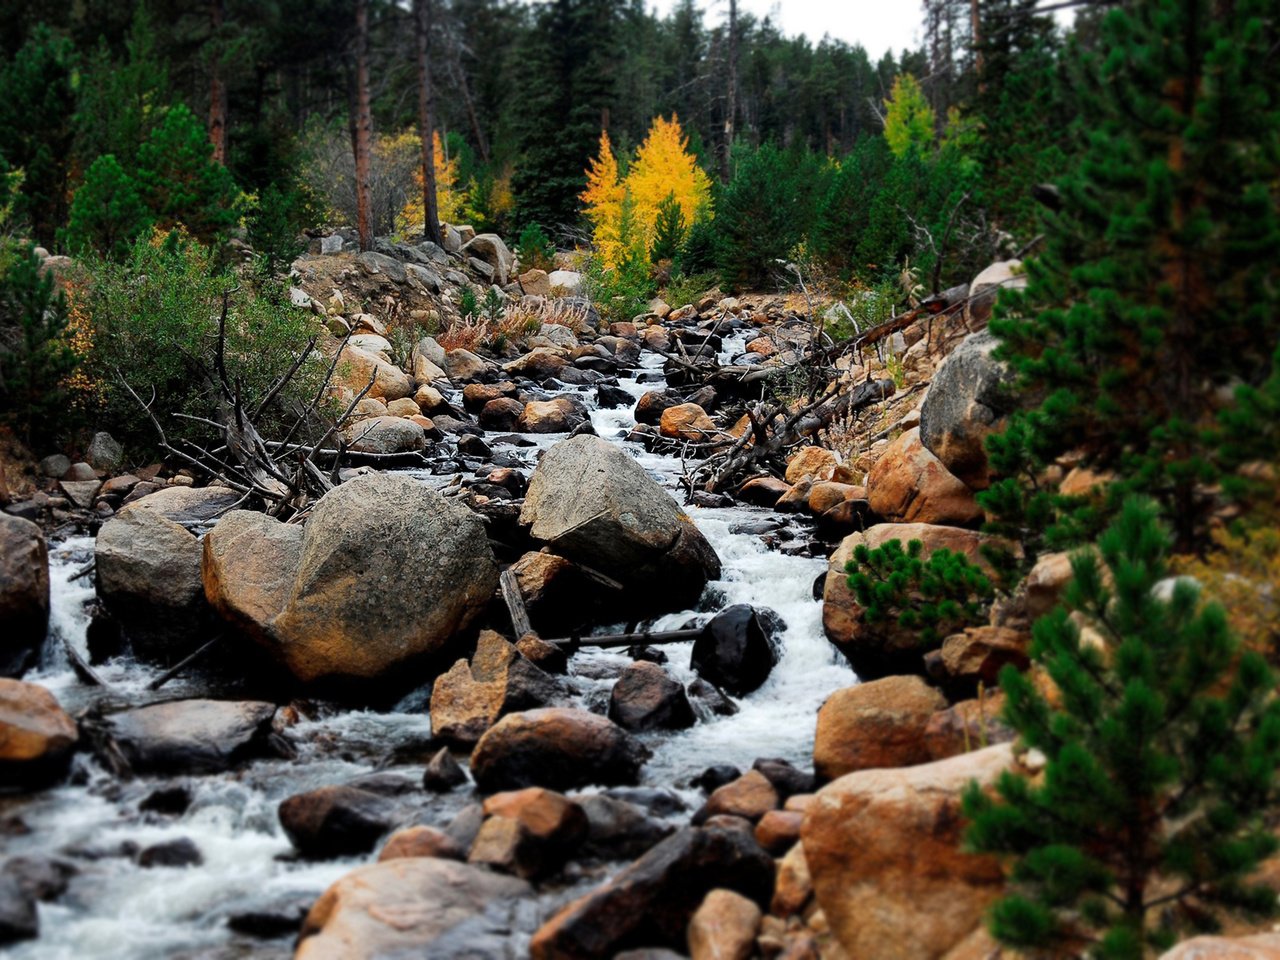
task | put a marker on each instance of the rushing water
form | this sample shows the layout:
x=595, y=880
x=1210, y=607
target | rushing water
x=115, y=909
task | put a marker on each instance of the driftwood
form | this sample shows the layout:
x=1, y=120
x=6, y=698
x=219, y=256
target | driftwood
x=514, y=600
x=645, y=637
x=182, y=664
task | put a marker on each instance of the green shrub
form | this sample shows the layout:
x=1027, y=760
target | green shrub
x=687, y=288
x=936, y=597
x=35, y=356
x=180, y=180
x=468, y=305
x=276, y=223
x=697, y=255
x=1161, y=748
x=668, y=231
x=535, y=249
x=107, y=214
x=621, y=293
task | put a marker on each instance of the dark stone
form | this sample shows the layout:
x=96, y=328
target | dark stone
x=443, y=773
x=282, y=921
x=713, y=778
x=192, y=736
x=18, y=917
x=336, y=821
x=647, y=698
x=40, y=877
x=711, y=698
x=609, y=397
x=618, y=830
x=470, y=445
x=657, y=800
x=171, y=801
x=736, y=651
x=174, y=853
x=785, y=777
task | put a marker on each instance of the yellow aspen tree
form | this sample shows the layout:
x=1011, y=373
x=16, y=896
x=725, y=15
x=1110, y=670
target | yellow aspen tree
x=450, y=200
x=665, y=167
x=602, y=201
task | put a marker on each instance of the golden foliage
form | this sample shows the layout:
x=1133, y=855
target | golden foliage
x=1243, y=574
x=450, y=199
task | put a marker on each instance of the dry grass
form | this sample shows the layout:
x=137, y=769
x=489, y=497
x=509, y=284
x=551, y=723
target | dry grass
x=516, y=322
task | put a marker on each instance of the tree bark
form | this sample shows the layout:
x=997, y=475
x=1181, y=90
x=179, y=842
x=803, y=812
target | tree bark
x=731, y=98
x=362, y=125
x=426, y=121
x=217, y=86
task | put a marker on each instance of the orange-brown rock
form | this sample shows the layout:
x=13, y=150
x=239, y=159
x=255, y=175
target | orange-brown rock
x=876, y=724
x=36, y=735
x=421, y=842
x=909, y=484
x=751, y=796
x=724, y=927
x=778, y=830
x=24, y=593
x=764, y=346
x=1081, y=482
x=763, y=491
x=688, y=421
x=552, y=416
x=356, y=367
x=969, y=725
x=980, y=653
x=884, y=849
x=811, y=463
x=530, y=833
x=827, y=494
x=795, y=499
x=881, y=649
x=794, y=885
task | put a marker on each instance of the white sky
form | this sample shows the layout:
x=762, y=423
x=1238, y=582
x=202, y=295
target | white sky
x=878, y=25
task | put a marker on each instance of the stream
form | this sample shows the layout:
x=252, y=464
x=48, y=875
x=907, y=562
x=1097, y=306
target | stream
x=114, y=908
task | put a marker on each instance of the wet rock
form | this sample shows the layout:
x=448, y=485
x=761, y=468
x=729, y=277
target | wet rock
x=651, y=901
x=881, y=649
x=750, y=796
x=421, y=842
x=443, y=773
x=613, y=398
x=557, y=748
x=911, y=485
x=540, y=364
x=530, y=833
x=543, y=655
x=468, y=699
x=40, y=877
x=280, y=919
x=659, y=801
x=336, y=821
x=651, y=406
x=778, y=830
x=713, y=778
x=737, y=651
x=589, y=501
x=502, y=414
x=173, y=853
x=617, y=829
x=708, y=697
x=171, y=801
x=786, y=779
x=646, y=698
x=342, y=621
x=469, y=445
x=688, y=421
x=877, y=724
x=390, y=434
x=553, y=416
x=763, y=491
x=191, y=736
x=24, y=593
x=19, y=919
x=888, y=866
x=559, y=596
x=420, y=907
x=465, y=826
x=968, y=399
x=724, y=927
x=36, y=735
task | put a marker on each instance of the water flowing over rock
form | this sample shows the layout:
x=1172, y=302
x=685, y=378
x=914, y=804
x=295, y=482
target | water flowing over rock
x=591, y=502
x=387, y=572
x=419, y=907
x=737, y=651
x=24, y=593
x=191, y=736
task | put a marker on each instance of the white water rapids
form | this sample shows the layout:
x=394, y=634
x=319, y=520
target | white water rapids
x=116, y=909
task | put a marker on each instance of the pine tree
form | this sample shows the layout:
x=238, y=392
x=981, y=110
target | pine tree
x=668, y=231
x=1161, y=746
x=180, y=181
x=107, y=214
x=759, y=218
x=1158, y=280
x=909, y=120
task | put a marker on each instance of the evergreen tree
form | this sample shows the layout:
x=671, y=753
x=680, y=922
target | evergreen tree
x=668, y=231
x=180, y=180
x=37, y=103
x=759, y=217
x=909, y=121
x=1162, y=746
x=1159, y=279
x=844, y=213
x=107, y=214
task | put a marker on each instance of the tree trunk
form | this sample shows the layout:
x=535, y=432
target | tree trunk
x=426, y=122
x=217, y=87
x=731, y=98
x=362, y=125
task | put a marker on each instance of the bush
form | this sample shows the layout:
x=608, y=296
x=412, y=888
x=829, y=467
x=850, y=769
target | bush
x=942, y=595
x=535, y=249
x=620, y=293
x=35, y=355
x=155, y=319
x=1162, y=743
x=668, y=231
x=697, y=255
x=280, y=215
x=108, y=213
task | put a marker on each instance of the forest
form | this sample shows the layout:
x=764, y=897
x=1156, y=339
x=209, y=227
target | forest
x=550, y=478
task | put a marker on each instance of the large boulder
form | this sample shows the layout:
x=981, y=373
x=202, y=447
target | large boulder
x=876, y=724
x=36, y=735
x=24, y=593
x=357, y=367
x=385, y=435
x=967, y=401
x=880, y=649
x=885, y=853
x=650, y=902
x=591, y=502
x=552, y=416
x=558, y=748
x=1259, y=946
x=387, y=572
x=148, y=569
x=413, y=907
x=909, y=484
x=530, y=832
x=736, y=651
x=191, y=736
x=647, y=698
x=490, y=248
x=986, y=286
x=724, y=927
x=104, y=453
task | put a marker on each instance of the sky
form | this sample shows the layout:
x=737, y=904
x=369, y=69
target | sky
x=878, y=25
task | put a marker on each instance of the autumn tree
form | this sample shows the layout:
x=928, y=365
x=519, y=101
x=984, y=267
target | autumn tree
x=909, y=120
x=602, y=200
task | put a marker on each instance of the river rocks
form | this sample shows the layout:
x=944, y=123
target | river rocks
x=967, y=401
x=191, y=736
x=556, y=592
x=651, y=902
x=336, y=821
x=646, y=698
x=19, y=919
x=357, y=367
x=688, y=421
x=390, y=434
x=651, y=406
x=778, y=830
x=541, y=363
x=552, y=416
x=557, y=748
x=589, y=501
x=876, y=724
x=736, y=651
x=490, y=248
x=104, y=453
x=617, y=829
x=530, y=833
x=911, y=485
x=1259, y=946
x=501, y=415
x=750, y=797
x=979, y=654
x=182, y=852
x=24, y=593
x=881, y=649
x=421, y=842
x=987, y=285
x=443, y=773
x=248, y=565
x=468, y=699
x=463, y=366
x=764, y=491
x=36, y=735
x=724, y=927
x=420, y=907
x=885, y=854
x=389, y=572
x=811, y=463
